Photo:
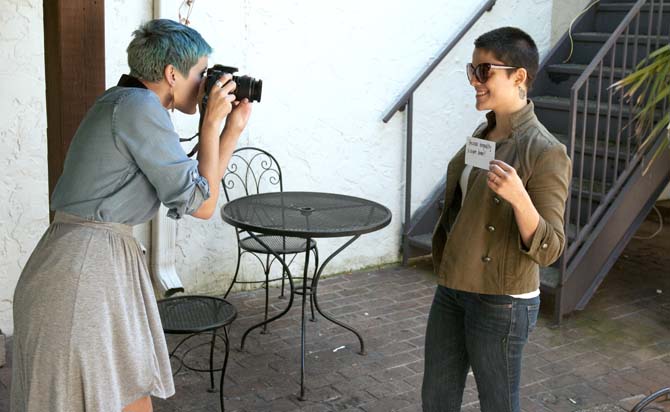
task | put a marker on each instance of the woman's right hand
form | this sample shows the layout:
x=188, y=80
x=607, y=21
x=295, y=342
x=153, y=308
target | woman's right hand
x=220, y=100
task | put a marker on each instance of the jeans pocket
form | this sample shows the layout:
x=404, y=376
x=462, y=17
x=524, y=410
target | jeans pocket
x=533, y=311
x=495, y=301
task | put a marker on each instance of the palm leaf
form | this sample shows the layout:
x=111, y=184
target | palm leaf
x=649, y=88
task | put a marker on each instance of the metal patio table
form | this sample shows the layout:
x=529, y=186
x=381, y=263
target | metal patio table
x=305, y=215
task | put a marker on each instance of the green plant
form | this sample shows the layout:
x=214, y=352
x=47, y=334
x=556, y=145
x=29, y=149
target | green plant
x=649, y=87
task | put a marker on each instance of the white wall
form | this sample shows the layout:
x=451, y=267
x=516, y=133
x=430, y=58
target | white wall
x=330, y=71
x=563, y=12
x=23, y=155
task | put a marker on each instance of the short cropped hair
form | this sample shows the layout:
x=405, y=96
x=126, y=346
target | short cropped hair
x=160, y=42
x=513, y=47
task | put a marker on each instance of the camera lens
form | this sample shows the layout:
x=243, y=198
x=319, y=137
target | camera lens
x=248, y=87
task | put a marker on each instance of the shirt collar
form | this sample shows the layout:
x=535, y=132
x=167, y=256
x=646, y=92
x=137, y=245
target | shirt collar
x=130, y=81
x=519, y=119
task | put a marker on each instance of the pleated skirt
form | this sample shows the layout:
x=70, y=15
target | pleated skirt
x=87, y=334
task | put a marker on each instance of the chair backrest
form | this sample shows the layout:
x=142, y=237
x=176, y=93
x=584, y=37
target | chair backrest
x=250, y=171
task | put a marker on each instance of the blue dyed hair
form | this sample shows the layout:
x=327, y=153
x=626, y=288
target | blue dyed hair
x=160, y=42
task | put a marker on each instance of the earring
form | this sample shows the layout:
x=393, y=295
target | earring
x=522, y=93
x=171, y=100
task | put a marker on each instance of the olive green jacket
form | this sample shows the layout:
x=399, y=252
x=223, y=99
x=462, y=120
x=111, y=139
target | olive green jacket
x=478, y=248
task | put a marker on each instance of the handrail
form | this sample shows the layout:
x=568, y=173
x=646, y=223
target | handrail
x=404, y=99
x=580, y=109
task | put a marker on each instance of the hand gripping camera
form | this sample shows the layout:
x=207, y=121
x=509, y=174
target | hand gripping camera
x=247, y=86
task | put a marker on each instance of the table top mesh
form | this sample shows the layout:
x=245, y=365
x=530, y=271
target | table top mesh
x=306, y=214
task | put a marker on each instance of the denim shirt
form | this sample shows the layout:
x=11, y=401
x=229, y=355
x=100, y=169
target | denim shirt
x=125, y=159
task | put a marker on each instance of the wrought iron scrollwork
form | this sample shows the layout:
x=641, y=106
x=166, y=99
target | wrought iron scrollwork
x=653, y=401
x=254, y=170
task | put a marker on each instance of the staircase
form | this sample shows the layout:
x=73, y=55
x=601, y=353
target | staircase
x=610, y=196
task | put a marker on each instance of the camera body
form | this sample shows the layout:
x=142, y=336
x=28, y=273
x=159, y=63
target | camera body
x=247, y=86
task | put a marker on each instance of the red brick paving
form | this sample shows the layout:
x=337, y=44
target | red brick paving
x=601, y=359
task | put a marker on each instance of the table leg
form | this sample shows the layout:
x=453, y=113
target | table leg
x=290, y=280
x=211, y=362
x=311, y=295
x=223, y=369
x=302, y=323
x=315, y=284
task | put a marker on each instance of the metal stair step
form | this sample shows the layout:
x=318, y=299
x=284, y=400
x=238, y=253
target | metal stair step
x=589, y=43
x=554, y=113
x=628, y=5
x=561, y=77
x=609, y=15
x=595, y=165
x=577, y=69
x=549, y=279
x=588, y=147
x=563, y=104
x=602, y=37
x=586, y=185
x=422, y=241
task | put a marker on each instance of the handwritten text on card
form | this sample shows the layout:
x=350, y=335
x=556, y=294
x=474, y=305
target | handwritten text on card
x=479, y=152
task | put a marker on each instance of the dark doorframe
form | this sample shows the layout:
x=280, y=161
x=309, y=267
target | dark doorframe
x=74, y=59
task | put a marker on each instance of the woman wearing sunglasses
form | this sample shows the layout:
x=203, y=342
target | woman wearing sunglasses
x=497, y=227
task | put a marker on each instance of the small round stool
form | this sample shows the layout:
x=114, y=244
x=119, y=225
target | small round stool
x=194, y=315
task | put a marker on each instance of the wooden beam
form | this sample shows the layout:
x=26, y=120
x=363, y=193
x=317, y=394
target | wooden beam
x=74, y=56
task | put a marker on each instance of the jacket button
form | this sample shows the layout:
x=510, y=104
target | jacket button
x=544, y=246
x=491, y=228
x=496, y=200
x=486, y=259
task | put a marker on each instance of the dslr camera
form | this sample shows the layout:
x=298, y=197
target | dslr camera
x=247, y=86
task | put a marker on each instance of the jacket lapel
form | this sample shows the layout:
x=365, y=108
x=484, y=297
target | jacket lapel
x=454, y=171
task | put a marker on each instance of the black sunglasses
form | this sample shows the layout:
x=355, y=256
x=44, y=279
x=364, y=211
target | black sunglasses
x=483, y=71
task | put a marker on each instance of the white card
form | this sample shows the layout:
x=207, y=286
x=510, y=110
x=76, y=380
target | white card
x=479, y=152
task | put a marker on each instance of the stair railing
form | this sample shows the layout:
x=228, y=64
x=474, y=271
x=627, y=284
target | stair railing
x=588, y=128
x=406, y=100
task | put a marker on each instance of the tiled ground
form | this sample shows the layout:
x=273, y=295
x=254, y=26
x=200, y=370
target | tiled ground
x=602, y=359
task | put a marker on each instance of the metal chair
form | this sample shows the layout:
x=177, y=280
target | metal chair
x=195, y=315
x=252, y=171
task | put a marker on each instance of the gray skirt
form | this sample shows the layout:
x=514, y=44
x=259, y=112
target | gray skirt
x=87, y=335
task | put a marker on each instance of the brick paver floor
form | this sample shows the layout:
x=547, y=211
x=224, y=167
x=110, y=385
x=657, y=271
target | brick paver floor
x=605, y=358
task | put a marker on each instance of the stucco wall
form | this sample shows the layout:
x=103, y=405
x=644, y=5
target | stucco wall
x=563, y=12
x=330, y=71
x=23, y=156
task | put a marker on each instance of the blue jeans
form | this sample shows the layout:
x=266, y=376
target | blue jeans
x=485, y=332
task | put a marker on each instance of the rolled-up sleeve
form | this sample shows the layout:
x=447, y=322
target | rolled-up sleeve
x=548, y=189
x=144, y=132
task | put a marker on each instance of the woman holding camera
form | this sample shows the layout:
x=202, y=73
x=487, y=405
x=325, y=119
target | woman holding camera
x=497, y=227
x=88, y=336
